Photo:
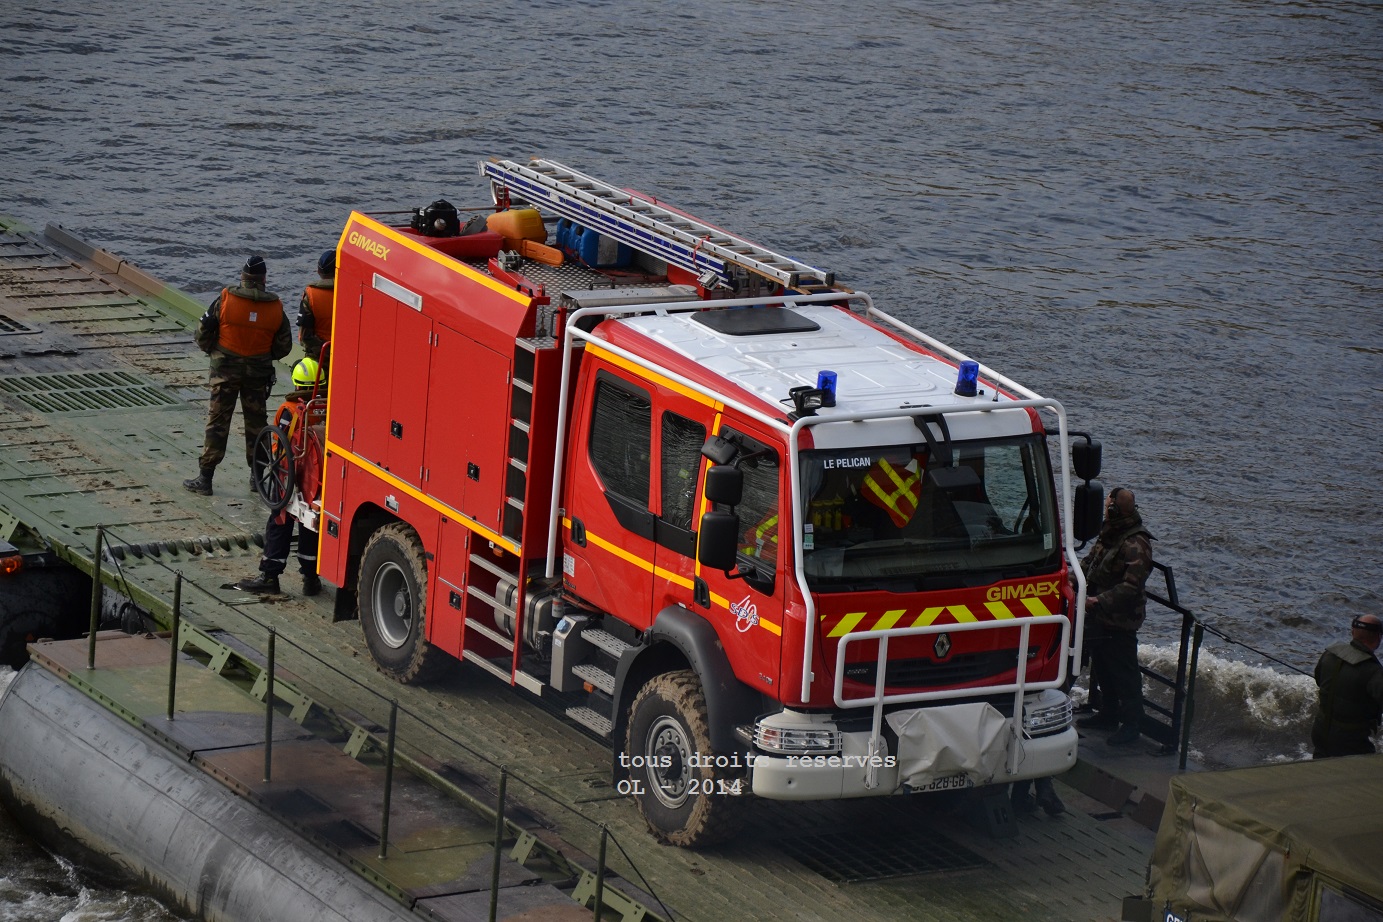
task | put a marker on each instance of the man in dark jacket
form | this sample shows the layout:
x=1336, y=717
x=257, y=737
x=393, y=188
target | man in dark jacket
x=245, y=330
x=1351, y=682
x=1116, y=570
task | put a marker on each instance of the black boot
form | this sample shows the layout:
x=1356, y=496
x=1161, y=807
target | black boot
x=201, y=483
x=1047, y=798
x=262, y=583
x=312, y=584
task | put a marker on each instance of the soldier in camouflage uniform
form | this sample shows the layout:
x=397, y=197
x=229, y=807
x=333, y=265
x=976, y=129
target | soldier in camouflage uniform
x=1351, y=692
x=244, y=331
x=1116, y=570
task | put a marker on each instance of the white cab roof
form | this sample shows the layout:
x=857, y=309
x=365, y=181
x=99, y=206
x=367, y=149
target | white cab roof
x=874, y=372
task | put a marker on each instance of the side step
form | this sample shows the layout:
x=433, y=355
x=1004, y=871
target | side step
x=596, y=676
x=606, y=641
x=592, y=720
x=500, y=671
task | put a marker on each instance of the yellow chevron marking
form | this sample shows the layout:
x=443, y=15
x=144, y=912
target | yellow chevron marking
x=1037, y=608
x=889, y=619
x=999, y=610
x=928, y=616
x=847, y=624
x=961, y=613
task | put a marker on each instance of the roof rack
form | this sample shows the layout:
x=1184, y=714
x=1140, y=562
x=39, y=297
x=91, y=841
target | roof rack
x=640, y=222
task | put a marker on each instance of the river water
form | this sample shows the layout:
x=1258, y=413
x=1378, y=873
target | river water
x=1165, y=215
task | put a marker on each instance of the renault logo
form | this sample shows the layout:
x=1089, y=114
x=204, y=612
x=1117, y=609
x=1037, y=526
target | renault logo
x=942, y=648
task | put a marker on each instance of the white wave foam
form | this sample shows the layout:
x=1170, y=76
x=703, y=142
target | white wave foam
x=1243, y=714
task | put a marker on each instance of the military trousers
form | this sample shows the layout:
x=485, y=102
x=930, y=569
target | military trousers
x=1114, y=668
x=253, y=396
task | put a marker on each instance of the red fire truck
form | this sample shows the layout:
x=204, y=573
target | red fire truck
x=760, y=535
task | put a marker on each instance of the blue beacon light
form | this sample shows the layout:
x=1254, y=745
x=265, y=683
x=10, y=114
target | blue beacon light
x=826, y=383
x=968, y=379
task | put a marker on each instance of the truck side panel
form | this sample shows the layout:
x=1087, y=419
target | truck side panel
x=467, y=407
x=391, y=386
x=447, y=596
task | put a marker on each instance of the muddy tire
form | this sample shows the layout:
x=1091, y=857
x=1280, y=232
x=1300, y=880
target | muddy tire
x=684, y=804
x=392, y=597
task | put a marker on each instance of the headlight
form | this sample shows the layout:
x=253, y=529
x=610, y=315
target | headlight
x=796, y=740
x=1049, y=713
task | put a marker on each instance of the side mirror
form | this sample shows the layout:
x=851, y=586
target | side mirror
x=716, y=540
x=1086, y=458
x=1089, y=512
x=724, y=484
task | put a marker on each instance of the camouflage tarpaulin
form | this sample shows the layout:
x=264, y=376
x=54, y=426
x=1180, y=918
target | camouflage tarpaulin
x=1274, y=843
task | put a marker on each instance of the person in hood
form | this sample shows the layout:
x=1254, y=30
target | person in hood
x=1116, y=572
x=244, y=331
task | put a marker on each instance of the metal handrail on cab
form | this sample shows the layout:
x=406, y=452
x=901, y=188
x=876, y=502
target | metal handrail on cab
x=988, y=406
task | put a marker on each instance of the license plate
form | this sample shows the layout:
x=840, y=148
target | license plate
x=948, y=783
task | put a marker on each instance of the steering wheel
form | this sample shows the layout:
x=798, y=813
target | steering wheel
x=271, y=466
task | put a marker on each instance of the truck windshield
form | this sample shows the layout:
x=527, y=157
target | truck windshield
x=895, y=518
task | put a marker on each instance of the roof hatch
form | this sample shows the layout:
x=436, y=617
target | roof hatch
x=756, y=321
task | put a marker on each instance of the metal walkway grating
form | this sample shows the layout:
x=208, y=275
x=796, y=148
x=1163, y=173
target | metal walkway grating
x=9, y=325
x=86, y=391
x=853, y=857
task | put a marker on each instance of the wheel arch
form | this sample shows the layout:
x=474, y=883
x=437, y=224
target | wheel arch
x=680, y=639
x=367, y=519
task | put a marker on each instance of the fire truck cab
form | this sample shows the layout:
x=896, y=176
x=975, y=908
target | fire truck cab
x=760, y=535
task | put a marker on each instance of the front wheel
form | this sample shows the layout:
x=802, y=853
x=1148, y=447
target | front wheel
x=684, y=796
x=393, y=600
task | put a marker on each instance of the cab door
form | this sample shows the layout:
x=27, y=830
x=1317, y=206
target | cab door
x=609, y=525
x=747, y=610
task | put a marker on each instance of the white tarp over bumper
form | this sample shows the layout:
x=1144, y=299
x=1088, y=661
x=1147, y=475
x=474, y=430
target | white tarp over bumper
x=969, y=738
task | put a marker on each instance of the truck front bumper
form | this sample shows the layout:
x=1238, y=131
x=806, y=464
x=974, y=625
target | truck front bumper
x=847, y=772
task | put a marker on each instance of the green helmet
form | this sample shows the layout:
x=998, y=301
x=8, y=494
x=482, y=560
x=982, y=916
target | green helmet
x=305, y=373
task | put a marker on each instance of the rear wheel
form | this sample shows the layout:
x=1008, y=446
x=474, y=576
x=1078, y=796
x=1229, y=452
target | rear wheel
x=393, y=599
x=685, y=801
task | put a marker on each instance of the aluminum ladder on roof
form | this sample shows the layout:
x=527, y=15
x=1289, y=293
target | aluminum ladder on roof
x=646, y=226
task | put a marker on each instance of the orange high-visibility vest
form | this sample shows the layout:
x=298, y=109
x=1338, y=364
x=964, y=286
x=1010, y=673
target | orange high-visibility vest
x=319, y=300
x=896, y=490
x=248, y=326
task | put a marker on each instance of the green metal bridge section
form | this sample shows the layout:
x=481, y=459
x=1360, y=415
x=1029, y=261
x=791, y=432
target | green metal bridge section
x=102, y=409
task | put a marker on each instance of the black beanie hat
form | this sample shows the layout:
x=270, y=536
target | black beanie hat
x=326, y=263
x=254, y=266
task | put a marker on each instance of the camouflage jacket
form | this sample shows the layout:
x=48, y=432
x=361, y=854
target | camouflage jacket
x=1116, y=570
x=1351, y=682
